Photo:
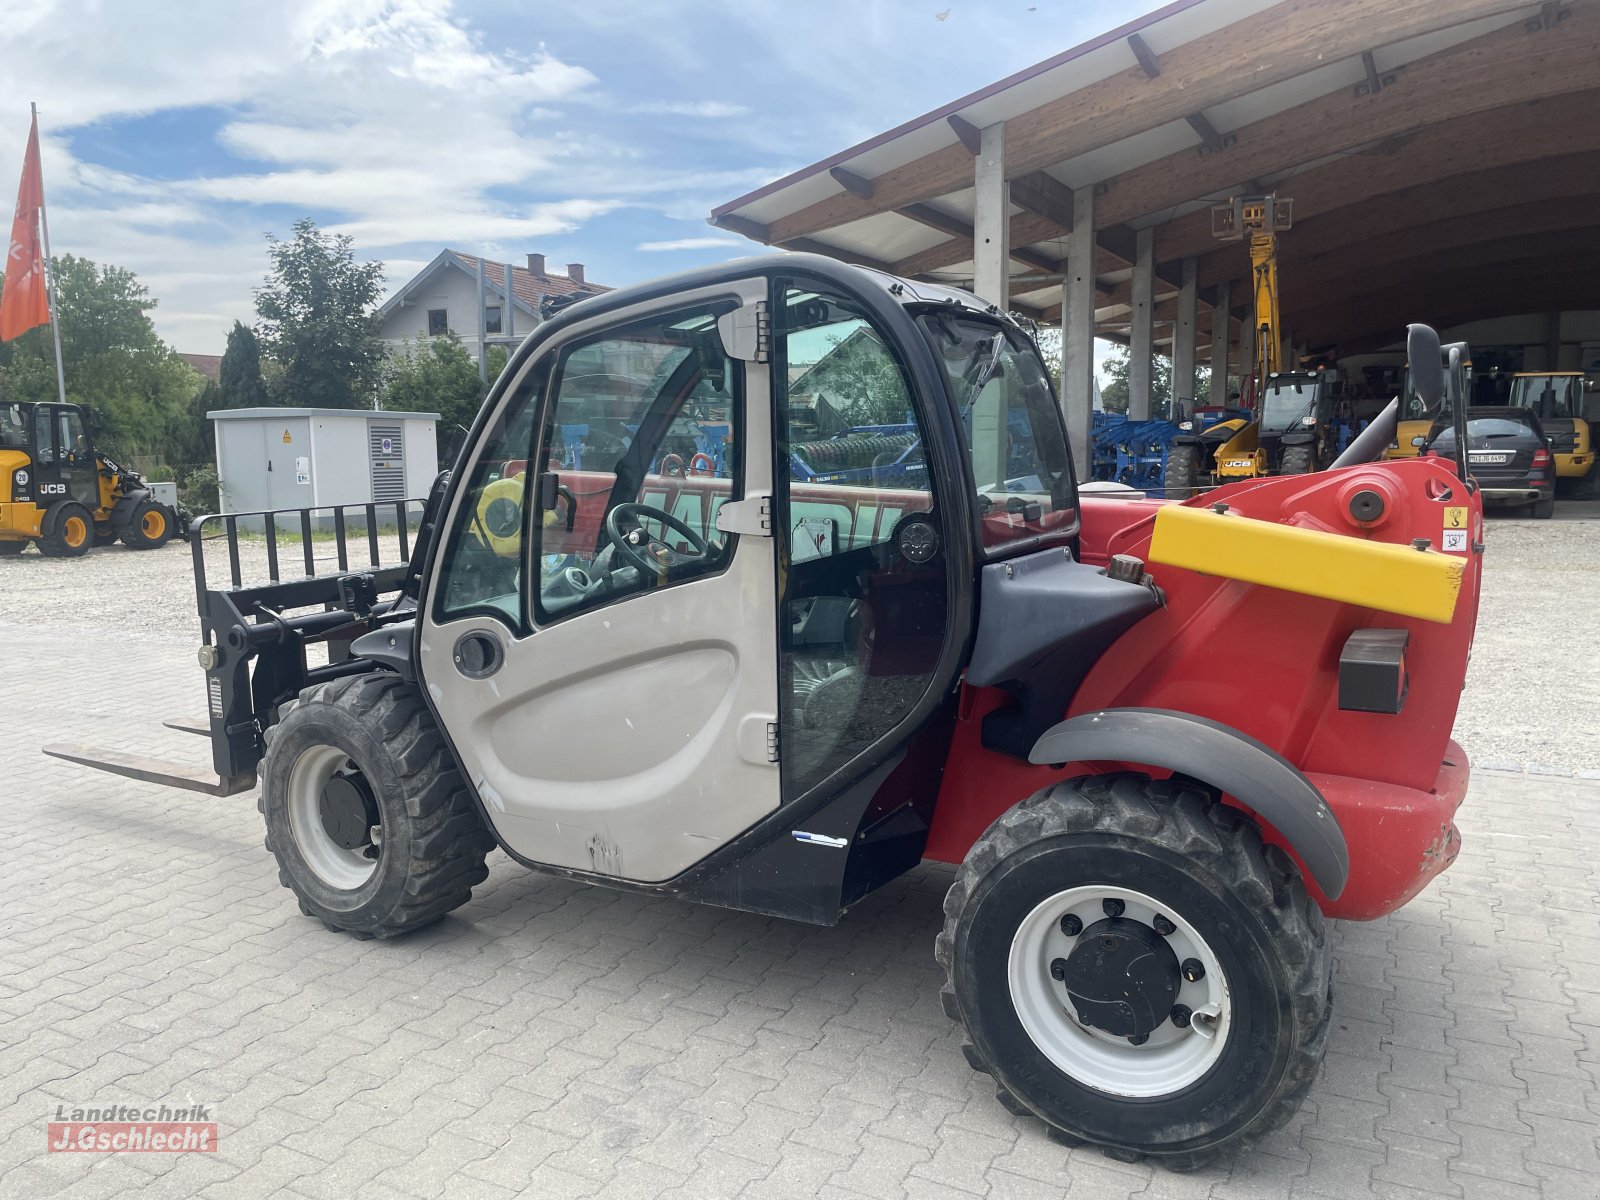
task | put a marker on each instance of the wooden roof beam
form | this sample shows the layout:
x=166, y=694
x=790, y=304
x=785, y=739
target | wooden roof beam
x=1196, y=76
x=1542, y=193
x=1452, y=148
x=1488, y=72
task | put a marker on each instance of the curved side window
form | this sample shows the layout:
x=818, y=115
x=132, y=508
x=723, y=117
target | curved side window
x=482, y=568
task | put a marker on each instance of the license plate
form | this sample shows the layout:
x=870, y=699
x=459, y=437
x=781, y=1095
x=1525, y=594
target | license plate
x=1480, y=456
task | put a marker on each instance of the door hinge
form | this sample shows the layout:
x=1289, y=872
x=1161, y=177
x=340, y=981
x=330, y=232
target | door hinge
x=752, y=516
x=772, y=741
x=747, y=332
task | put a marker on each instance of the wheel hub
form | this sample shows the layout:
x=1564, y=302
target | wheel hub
x=1122, y=977
x=348, y=811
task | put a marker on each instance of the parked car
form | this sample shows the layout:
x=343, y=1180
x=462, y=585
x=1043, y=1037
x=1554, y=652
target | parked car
x=1507, y=453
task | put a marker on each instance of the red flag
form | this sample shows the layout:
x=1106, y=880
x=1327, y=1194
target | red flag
x=24, y=302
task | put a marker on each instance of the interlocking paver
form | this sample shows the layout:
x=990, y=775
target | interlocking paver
x=562, y=1040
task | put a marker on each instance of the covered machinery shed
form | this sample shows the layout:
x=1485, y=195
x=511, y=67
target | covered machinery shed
x=1442, y=157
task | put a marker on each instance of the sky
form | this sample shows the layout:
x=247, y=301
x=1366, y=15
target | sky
x=176, y=136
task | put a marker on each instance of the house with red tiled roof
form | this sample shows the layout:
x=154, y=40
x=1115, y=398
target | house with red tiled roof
x=467, y=296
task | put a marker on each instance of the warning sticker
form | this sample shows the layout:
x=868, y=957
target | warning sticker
x=1455, y=517
x=287, y=439
x=1454, y=539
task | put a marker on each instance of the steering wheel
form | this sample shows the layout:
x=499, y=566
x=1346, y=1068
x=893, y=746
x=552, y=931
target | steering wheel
x=639, y=548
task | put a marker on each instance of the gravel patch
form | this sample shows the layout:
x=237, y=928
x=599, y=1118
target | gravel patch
x=1533, y=687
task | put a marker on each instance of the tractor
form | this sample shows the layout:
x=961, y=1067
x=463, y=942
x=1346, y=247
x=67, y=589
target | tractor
x=1162, y=743
x=64, y=496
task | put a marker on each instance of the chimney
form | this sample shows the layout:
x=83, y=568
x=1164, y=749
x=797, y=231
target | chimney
x=575, y=273
x=536, y=264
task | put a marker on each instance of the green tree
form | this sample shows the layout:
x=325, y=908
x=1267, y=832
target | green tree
x=439, y=376
x=241, y=384
x=317, y=319
x=1114, y=394
x=141, y=392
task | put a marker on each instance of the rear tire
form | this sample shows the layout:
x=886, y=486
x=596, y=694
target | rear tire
x=1199, y=885
x=372, y=826
x=1180, y=473
x=1543, y=510
x=1584, y=486
x=1297, y=460
x=68, y=531
x=150, y=526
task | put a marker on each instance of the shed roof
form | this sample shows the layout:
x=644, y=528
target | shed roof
x=1443, y=159
x=269, y=413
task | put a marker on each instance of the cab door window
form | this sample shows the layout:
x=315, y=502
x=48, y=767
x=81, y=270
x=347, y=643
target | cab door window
x=641, y=448
x=862, y=607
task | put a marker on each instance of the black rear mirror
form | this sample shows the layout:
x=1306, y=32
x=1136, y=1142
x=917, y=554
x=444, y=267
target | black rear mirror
x=1419, y=442
x=1424, y=355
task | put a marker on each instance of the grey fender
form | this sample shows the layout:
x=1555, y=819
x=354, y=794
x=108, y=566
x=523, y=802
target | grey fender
x=389, y=646
x=1252, y=772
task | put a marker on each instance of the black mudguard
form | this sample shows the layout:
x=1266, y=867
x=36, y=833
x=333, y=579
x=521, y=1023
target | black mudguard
x=1216, y=754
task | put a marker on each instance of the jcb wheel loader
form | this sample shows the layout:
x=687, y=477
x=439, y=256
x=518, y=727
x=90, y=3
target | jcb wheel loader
x=753, y=689
x=62, y=495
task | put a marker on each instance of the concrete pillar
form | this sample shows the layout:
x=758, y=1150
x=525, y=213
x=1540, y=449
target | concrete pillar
x=1183, y=336
x=1221, y=331
x=1141, y=340
x=1247, y=350
x=508, y=313
x=1077, y=331
x=483, y=346
x=1552, y=341
x=991, y=219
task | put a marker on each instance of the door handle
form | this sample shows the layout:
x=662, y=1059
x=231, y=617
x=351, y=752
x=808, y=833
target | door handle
x=478, y=654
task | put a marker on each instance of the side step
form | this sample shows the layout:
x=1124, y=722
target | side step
x=151, y=770
x=200, y=728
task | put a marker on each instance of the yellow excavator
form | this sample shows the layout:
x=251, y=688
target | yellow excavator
x=1291, y=433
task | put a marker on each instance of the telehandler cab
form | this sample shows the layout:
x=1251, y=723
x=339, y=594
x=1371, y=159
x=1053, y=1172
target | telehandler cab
x=1162, y=741
x=63, y=495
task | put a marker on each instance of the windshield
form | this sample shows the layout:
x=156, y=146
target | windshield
x=1549, y=395
x=1014, y=430
x=1286, y=400
x=13, y=430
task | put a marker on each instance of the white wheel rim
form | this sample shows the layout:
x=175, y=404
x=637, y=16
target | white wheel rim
x=335, y=865
x=1173, y=1058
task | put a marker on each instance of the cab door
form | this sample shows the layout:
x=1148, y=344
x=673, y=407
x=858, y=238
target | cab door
x=615, y=705
x=64, y=462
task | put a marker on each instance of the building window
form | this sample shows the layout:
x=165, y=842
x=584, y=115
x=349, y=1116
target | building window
x=438, y=322
x=491, y=319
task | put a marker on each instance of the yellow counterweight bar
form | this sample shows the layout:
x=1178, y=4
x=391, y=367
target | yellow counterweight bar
x=1377, y=575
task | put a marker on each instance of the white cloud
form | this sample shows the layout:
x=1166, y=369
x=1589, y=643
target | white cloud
x=692, y=243
x=691, y=108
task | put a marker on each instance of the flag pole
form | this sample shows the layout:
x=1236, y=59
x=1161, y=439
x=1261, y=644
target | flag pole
x=50, y=277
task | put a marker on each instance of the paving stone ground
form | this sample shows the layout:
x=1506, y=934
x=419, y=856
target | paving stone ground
x=556, y=1040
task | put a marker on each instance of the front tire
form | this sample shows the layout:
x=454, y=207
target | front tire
x=1180, y=473
x=1298, y=460
x=1104, y=879
x=372, y=825
x=150, y=526
x=68, y=531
